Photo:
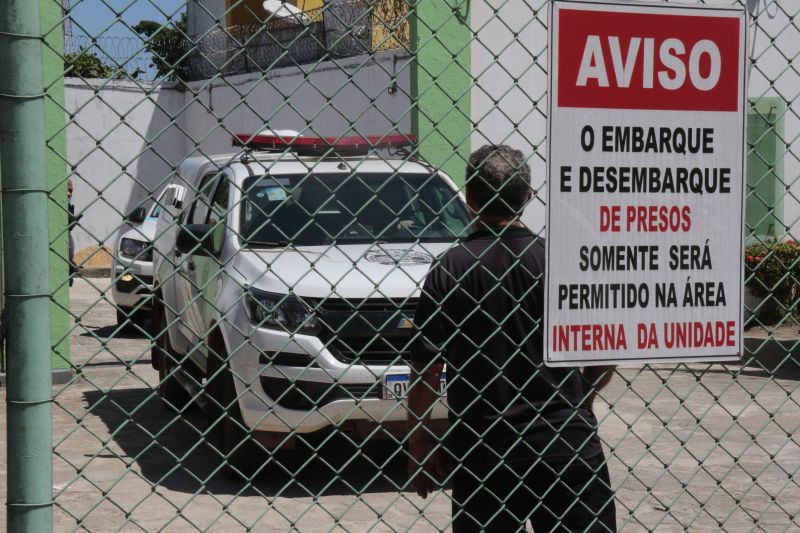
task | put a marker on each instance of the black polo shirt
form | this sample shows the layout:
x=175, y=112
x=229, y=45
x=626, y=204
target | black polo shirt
x=480, y=312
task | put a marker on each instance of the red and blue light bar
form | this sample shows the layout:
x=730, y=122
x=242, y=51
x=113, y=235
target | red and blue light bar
x=354, y=144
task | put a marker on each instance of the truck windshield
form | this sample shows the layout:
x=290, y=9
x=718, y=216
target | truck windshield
x=320, y=209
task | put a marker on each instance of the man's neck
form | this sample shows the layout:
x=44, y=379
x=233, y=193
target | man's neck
x=492, y=223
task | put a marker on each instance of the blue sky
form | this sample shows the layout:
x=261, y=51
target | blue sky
x=109, y=21
x=101, y=18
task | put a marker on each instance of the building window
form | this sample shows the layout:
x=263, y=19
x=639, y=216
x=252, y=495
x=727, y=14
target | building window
x=765, y=185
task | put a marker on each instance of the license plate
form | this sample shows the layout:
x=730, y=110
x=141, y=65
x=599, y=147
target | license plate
x=395, y=386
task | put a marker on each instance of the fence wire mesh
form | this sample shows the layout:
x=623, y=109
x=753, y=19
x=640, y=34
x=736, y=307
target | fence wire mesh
x=233, y=322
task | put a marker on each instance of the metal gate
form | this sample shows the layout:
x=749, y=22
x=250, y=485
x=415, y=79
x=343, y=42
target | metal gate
x=217, y=220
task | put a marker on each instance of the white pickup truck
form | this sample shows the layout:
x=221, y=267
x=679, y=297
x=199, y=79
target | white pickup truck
x=286, y=284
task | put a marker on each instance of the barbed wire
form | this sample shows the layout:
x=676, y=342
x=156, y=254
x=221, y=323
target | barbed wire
x=335, y=31
x=126, y=53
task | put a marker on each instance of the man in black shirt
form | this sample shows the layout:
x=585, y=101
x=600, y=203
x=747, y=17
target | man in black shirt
x=523, y=439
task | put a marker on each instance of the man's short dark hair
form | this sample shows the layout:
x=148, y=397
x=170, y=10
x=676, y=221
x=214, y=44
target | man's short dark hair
x=498, y=180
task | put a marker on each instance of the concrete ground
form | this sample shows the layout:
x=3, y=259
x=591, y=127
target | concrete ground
x=699, y=447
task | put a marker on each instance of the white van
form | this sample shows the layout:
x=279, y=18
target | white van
x=132, y=263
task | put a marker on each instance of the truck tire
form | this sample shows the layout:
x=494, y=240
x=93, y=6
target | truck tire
x=170, y=391
x=133, y=321
x=242, y=455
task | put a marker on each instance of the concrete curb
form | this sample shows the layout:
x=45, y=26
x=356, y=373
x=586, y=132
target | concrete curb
x=773, y=355
x=95, y=272
x=59, y=377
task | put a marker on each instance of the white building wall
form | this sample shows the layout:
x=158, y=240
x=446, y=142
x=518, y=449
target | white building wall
x=124, y=138
x=122, y=143
x=774, y=40
x=139, y=142
x=368, y=96
x=509, y=95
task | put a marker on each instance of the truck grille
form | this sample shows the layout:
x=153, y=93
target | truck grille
x=383, y=350
x=405, y=306
x=370, y=331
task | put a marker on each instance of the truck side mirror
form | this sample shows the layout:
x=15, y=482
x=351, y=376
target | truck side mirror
x=196, y=239
x=137, y=216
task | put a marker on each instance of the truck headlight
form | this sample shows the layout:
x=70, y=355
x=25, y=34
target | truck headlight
x=279, y=311
x=135, y=249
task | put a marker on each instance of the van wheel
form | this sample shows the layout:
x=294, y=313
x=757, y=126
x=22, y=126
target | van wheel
x=172, y=394
x=242, y=455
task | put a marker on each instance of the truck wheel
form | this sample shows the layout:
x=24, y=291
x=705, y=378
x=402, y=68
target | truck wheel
x=172, y=394
x=235, y=444
x=123, y=316
x=130, y=319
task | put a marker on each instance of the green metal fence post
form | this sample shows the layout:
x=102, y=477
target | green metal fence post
x=26, y=260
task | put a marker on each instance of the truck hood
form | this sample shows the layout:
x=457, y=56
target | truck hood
x=346, y=271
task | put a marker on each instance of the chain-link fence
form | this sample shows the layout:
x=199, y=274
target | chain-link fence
x=346, y=29
x=244, y=290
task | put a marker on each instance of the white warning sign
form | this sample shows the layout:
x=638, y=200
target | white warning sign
x=645, y=183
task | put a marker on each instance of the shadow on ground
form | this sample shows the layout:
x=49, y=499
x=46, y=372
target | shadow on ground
x=786, y=368
x=171, y=452
x=128, y=331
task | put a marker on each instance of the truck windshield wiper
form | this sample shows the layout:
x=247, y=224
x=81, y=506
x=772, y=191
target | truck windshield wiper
x=268, y=244
x=278, y=244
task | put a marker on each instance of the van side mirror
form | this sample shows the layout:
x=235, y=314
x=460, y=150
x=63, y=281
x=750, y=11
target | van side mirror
x=137, y=216
x=196, y=239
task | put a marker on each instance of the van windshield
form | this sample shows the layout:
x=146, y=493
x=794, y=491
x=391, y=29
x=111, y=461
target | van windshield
x=320, y=209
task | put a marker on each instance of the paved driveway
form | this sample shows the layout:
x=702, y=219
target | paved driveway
x=702, y=447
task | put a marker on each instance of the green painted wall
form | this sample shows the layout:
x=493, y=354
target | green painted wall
x=441, y=81
x=56, y=172
x=56, y=178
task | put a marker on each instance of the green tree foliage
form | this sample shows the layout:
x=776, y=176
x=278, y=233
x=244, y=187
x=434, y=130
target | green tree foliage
x=168, y=45
x=86, y=64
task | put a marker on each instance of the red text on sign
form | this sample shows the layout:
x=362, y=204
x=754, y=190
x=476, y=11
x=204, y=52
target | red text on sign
x=699, y=334
x=648, y=61
x=658, y=218
x=645, y=218
x=589, y=337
